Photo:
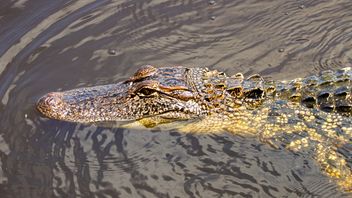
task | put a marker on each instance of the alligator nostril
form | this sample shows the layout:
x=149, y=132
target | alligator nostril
x=52, y=99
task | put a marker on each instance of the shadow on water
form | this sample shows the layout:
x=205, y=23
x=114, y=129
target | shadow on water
x=65, y=159
x=66, y=44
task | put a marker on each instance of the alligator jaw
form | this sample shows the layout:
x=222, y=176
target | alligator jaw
x=99, y=103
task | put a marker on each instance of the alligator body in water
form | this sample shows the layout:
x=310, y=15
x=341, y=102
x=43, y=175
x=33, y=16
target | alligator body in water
x=307, y=115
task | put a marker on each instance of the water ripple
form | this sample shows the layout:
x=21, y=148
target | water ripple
x=66, y=44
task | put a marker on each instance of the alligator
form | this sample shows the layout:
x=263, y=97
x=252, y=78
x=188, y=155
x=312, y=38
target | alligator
x=310, y=115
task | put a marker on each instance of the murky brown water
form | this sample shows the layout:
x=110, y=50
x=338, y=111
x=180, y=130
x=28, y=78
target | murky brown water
x=58, y=45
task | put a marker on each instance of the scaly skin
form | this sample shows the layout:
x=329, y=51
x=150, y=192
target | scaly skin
x=310, y=115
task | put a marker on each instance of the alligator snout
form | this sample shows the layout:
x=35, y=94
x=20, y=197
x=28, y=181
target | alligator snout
x=51, y=105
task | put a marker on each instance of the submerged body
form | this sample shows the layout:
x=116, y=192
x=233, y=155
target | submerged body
x=310, y=115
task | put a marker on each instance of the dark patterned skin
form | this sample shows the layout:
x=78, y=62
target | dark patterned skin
x=308, y=115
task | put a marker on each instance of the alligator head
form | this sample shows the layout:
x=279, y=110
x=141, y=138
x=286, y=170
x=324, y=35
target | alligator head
x=166, y=93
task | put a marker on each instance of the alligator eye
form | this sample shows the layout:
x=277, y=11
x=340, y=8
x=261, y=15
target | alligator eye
x=146, y=92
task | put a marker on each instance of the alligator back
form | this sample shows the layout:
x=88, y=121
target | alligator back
x=330, y=91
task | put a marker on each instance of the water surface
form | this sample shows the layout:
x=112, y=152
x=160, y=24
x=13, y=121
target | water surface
x=59, y=45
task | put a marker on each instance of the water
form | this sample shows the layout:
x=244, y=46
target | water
x=59, y=45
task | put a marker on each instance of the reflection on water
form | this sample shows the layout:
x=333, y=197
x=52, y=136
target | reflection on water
x=68, y=44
